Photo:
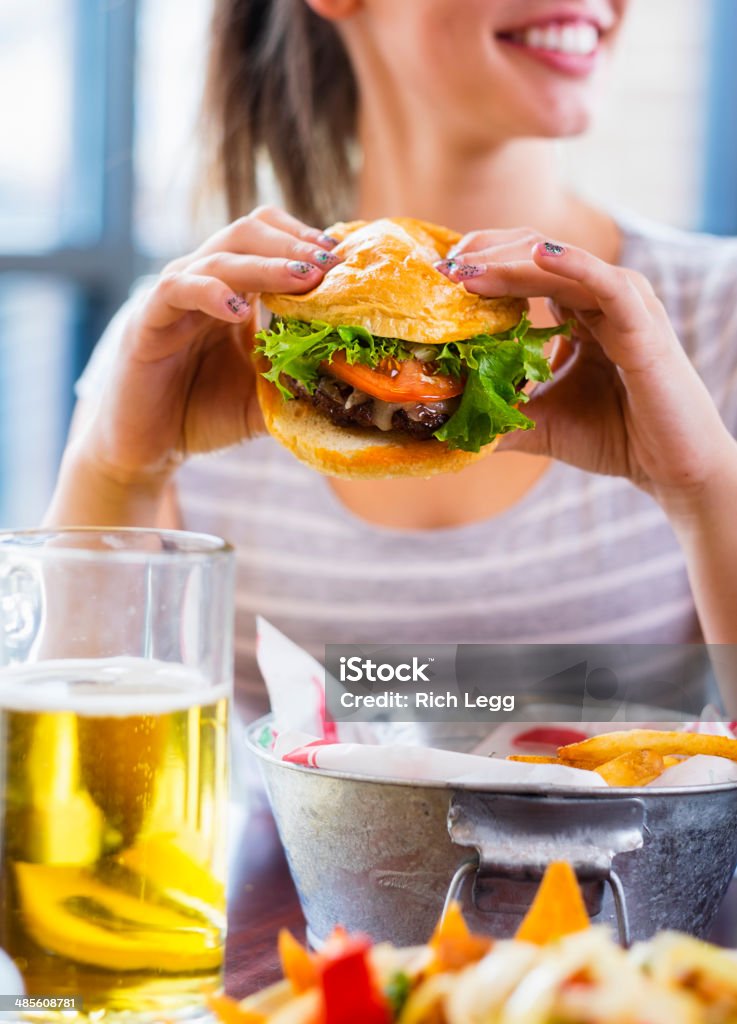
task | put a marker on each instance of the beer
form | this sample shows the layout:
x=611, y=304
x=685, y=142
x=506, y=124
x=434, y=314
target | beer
x=113, y=779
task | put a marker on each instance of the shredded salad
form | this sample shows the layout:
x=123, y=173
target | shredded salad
x=557, y=970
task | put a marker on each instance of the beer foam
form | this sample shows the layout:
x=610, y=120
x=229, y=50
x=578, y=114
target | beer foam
x=110, y=687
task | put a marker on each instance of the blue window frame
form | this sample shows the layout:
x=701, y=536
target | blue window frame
x=720, y=172
x=61, y=282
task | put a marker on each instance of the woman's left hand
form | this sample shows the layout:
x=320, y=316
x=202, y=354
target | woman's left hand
x=625, y=399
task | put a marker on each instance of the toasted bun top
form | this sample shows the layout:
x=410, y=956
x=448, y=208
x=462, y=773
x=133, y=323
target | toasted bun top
x=387, y=283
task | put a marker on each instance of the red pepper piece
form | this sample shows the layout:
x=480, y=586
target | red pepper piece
x=349, y=992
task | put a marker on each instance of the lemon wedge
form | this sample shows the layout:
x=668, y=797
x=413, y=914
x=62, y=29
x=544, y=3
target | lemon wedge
x=161, y=861
x=68, y=911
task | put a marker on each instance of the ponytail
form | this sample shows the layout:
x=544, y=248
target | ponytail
x=280, y=83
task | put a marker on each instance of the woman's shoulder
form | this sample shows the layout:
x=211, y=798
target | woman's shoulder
x=694, y=274
x=670, y=256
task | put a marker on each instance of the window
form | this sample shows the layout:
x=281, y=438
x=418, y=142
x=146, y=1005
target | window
x=38, y=315
x=66, y=251
x=646, y=150
x=36, y=175
x=170, y=76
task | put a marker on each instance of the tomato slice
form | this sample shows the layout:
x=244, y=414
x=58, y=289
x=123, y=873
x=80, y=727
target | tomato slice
x=395, y=380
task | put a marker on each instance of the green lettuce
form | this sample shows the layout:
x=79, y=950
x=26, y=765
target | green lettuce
x=397, y=992
x=494, y=365
x=297, y=348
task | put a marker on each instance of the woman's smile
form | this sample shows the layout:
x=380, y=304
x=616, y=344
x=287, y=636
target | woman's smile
x=566, y=39
x=571, y=47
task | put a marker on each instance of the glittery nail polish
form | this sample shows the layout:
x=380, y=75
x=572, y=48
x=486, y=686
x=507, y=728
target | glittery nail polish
x=325, y=259
x=237, y=304
x=327, y=240
x=300, y=268
x=553, y=249
x=461, y=271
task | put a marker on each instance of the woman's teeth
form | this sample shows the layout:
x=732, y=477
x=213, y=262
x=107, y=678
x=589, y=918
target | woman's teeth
x=581, y=39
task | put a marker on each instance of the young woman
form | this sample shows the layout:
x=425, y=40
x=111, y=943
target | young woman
x=613, y=521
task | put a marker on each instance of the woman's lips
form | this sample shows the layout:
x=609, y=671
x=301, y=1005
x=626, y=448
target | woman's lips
x=571, y=47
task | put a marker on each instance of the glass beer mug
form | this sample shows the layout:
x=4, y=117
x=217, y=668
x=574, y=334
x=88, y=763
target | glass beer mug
x=115, y=679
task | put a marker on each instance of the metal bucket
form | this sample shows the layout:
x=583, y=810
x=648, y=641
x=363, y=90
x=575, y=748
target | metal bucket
x=382, y=857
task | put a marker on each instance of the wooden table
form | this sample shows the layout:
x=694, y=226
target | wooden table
x=265, y=900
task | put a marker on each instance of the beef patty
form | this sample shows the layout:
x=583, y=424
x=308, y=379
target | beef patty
x=347, y=407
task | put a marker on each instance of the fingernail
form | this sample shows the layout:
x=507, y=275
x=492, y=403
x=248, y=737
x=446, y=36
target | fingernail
x=460, y=271
x=445, y=266
x=299, y=268
x=553, y=249
x=327, y=240
x=238, y=305
x=326, y=259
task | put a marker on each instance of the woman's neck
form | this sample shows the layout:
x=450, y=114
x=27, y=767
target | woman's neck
x=514, y=184
x=415, y=178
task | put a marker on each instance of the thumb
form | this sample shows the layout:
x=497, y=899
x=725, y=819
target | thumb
x=245, y=337
x=561, y=353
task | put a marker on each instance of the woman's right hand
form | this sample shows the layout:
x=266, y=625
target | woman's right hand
x=182, y=381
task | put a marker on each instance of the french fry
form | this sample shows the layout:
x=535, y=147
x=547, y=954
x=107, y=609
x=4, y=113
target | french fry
x=541, y=759
x=672, y=759
x=597, y=750
x=636, y=768
x=535, y=759
x=558, y=908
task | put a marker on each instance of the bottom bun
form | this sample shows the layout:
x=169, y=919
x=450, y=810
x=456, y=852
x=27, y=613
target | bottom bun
x=354, y=453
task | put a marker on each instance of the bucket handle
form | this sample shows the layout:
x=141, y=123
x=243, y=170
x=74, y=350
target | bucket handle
x=470, y=866
x=516, y=835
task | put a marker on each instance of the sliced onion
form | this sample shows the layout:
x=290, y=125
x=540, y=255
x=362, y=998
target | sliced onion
x=424, y=353
x=357, y=397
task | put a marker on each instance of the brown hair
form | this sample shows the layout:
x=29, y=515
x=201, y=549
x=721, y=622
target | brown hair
x=280, y=82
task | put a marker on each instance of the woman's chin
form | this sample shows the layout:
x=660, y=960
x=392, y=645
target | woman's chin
x=570, y=126
x=543, y=100
x=556, y=117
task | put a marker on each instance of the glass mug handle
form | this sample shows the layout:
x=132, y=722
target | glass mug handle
x=11, y=984
x=21, y=603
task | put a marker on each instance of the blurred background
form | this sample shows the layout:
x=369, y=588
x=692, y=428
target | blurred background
x=98, y=157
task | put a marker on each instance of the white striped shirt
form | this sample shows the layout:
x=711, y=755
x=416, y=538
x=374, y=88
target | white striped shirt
x=580, y=559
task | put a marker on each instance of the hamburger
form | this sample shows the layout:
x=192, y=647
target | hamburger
x=387, y=367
